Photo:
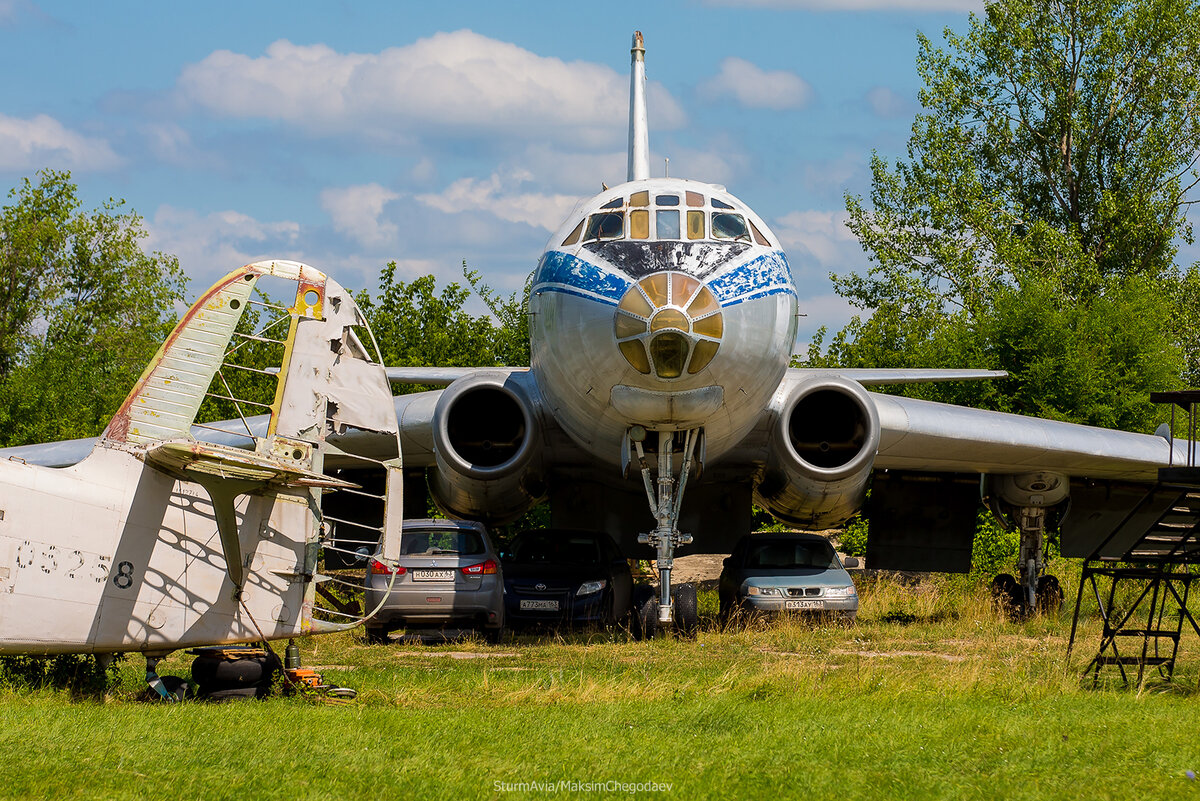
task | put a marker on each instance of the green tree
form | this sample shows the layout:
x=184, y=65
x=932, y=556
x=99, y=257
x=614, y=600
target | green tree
x=1033, y=226
x=82, y=311
x=416, y=325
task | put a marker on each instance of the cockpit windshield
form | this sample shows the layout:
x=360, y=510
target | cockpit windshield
x=605, y=225
x=646, y=216
x=729, y=226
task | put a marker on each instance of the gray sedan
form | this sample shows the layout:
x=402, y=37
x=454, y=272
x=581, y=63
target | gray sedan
x=448, y=576
x=783, y=572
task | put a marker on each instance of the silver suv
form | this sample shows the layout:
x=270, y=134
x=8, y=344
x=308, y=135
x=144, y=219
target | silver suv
x=448, y=576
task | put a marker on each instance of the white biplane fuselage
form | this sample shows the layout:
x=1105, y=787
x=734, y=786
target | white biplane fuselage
x=159, y=540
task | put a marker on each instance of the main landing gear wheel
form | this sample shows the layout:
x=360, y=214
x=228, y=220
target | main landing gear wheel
x=1006, y=592
x=687, y=613
x=644, y=613
x=1049, y=595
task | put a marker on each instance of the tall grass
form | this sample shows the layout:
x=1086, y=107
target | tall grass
x=936, y=693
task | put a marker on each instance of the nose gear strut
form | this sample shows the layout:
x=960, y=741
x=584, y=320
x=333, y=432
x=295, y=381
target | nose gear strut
x=665, y=505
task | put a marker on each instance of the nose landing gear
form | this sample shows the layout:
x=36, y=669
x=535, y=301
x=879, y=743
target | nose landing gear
x=664, y=611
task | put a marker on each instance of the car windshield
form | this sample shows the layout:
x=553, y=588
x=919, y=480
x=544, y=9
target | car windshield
x=559, y=549
x=441, y=542
x=790, y=554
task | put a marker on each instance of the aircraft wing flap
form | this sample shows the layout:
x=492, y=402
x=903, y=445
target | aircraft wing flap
x=936, y=437
x=189, y=456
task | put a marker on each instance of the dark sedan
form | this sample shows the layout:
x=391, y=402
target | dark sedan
x=556, y=576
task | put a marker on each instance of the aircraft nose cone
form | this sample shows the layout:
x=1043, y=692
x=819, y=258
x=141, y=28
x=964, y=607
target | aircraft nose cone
x=668, y=324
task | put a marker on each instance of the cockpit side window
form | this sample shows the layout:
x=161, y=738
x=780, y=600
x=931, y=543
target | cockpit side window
x=758, y=235
x=666, y=200
x=574, y=236
x=695, y=199
x=720, y=204
x=695, y=224
x=729, y=226
x=615, y=203
x=605, y=225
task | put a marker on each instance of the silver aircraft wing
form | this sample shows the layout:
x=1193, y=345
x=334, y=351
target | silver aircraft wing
x=925, y=436
x=414, y=411
x=441, y=376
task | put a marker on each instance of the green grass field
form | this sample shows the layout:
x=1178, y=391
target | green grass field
x=933, y=695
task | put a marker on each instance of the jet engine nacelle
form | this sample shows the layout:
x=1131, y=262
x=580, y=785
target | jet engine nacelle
x=485, y=431
x=824, y=438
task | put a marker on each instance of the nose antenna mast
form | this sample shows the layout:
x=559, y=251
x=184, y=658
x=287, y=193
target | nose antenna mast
x=639, y=135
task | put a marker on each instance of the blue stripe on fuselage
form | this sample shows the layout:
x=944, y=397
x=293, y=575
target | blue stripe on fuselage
x=562, y=272
x=769, y=274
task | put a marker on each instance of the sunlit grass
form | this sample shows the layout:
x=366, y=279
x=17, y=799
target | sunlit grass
x=935, y=693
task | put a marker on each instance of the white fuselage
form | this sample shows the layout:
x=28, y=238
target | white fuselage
x=663, y=303
x=112, y=554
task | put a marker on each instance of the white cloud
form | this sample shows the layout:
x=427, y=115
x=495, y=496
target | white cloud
x=356, y=212
x=42, y=141
x=497, y=196
x=887, y=103
x=823, y=234
x=460, y=83
x=857, y=5
x=208, y=246
x=720, y=163
x=753, y=87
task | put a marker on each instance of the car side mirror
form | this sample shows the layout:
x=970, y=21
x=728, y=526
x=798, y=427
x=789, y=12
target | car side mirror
x=850, y=562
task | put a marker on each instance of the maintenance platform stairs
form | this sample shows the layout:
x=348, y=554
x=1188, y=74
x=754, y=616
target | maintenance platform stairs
x=1150, y=560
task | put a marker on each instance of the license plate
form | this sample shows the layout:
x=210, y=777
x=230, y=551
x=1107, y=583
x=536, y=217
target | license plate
x=548, y=606
x=803, y=604
x=433, y=575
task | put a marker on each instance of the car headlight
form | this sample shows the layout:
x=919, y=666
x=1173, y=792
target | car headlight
x=591, y=587
x=840, y=592
x=752, y=590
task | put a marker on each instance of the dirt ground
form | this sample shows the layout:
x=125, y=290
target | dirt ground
x=699, y=568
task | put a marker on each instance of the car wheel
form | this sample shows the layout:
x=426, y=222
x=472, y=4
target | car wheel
x=687, y=614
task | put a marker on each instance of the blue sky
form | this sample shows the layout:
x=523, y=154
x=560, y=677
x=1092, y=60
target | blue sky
x=349, y=134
